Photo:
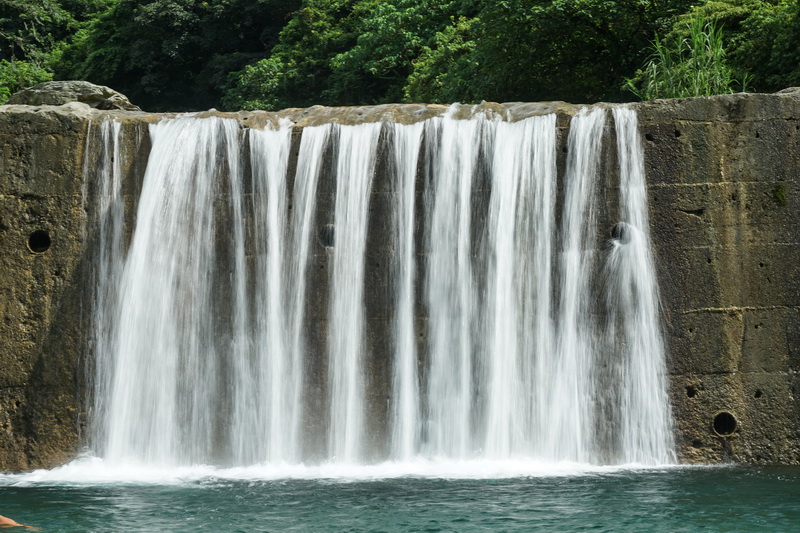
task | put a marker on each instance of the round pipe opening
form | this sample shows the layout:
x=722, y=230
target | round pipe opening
x=621, y=232
x=724, y=424
x=326, y=235
x=39, y=241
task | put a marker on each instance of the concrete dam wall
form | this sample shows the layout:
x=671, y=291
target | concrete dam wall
x=721, y=192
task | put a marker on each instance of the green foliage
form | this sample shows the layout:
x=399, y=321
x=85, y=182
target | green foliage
x=444, y=70
x=340, y=52
x=190, y=54
x=576, y=50
x=761, y=39
x=765, y=41
x=779, y=195
x=390, y=37
x=256, y=86
x=173, y=54
x=17, y=75
x=29, y=29
x=32, y=34
x=694, y=65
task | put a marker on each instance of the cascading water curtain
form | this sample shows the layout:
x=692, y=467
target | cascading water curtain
x=104, y=191
x=516, y=331
x=166, y=378
x=405, y=375
x=645, y=425
x=357, y=146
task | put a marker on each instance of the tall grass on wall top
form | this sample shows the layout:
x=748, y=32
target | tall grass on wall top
x=692, y=65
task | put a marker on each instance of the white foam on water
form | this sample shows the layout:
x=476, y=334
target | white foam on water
x=94, y=471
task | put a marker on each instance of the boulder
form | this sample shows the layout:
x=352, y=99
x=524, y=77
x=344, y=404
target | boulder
x=63, y=92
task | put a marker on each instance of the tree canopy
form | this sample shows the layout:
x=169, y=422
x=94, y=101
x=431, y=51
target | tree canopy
x=177, y=55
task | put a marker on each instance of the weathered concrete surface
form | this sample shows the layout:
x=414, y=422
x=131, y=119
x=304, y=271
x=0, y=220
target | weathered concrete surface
x=40, y=328
x=724, y=198
x=723, y=191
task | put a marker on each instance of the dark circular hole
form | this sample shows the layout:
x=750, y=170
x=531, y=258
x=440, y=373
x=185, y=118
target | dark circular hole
x=39, y=241
x=621, y=232
x=691, y=392
x=758, y=394
x=757, y=135
x=649, y=137
x=708, y=260
x=677, y=134
x=326, y=235
x=724, y=424
x=697, y=443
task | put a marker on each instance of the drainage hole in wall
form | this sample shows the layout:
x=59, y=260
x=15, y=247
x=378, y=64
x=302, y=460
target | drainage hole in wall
x=677, y=134
x=39, y=241
x=691, y=392
x=758, y=394
x=649, y=137
x=697, y=443
x=621, y=232
x=724, y=424
x=326, y=235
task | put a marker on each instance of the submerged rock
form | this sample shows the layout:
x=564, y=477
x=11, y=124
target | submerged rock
x=63, y=92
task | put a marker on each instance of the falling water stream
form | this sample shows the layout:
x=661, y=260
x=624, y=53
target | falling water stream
x=233, y=330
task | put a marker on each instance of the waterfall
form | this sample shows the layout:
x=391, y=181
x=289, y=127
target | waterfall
x=233, y=329
x=165, y=382
x=450, y=284
x=518, y=324
x=405, y=376
x=265, y=379
x=107, y=219
x=354, y=170
x=646, y=430
x=304, y=198
x=571, y=420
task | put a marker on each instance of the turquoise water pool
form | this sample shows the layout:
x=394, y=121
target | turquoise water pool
x=671, y=499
